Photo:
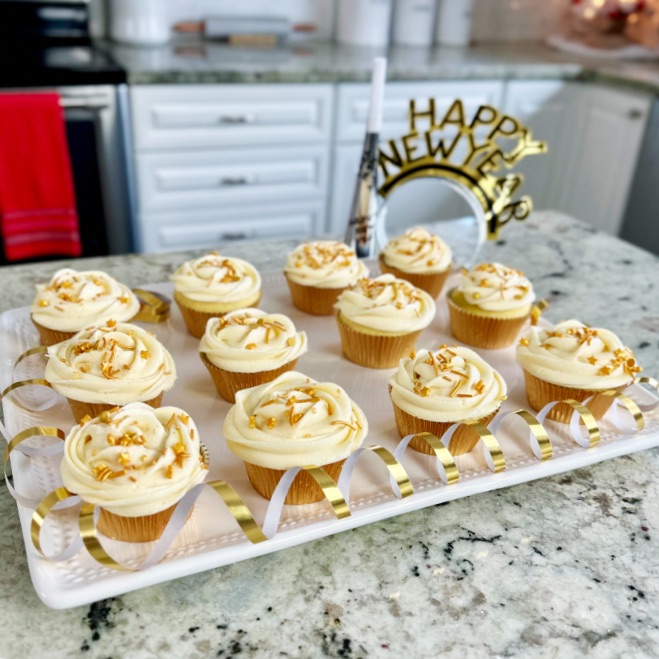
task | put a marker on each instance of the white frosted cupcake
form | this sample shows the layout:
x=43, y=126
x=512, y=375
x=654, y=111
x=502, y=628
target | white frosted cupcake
x=247, y=347
x=433, y=389
x=572, y=360
x=114, y=364
x=135, y=463
x=210, y=286
x=490, y=305
x=293, y=421
x=318, y=272
x=72, y=300
x=380, y=320
x=420, y=257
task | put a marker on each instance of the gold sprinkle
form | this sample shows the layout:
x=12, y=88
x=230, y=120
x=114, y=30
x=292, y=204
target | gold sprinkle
x=272, y=422
x=88, y=439
x=476, y=295
x=43, y=303
x=338, y=422
x=455, y=389
x=111, y=323
x=592, y=360
x=124, y=459
x=184, y=418
x=170, y=471
x=412, y=354
x=252, y=421
x=145, y=354
x=123, y=299
x=104, y=416
x=523, y=341
x=250, y=346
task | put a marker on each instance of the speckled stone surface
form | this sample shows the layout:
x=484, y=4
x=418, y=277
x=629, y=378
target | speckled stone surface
x=561, y=567
x=186, y=61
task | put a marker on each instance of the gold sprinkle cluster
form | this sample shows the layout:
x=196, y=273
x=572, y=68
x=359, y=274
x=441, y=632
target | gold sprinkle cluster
x=320, y=255
x=420, y=240
x=507, y=275
x=272, y=327
x=372, y=289
x=442, y=363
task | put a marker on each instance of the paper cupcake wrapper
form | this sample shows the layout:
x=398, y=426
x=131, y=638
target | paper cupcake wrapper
x=313, y=300
x=81, y=409
x=228, y=383
x=49, y=337
x=195, y=319
x=304, y=488
x=432, y=282
x=462, y=441
x=375, y=350
x=145, y=528
x=482, y=331
x=539, y=393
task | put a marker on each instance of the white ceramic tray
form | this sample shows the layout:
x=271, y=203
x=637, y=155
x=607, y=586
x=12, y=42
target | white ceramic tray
x=211, y=537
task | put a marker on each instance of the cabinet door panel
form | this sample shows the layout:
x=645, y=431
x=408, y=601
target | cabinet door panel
x=206, y=116
x=353, y=102
x=211, y=229
x=208, y=179
x=608, y=129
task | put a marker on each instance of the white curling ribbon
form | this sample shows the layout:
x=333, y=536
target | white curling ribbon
x=489, y=461
x=580, y=434
x=350, y=464
x=401, y=447
x=76, y=543
x=497, y=421
x=30, y=398
x=621, y=422
x=646, y=399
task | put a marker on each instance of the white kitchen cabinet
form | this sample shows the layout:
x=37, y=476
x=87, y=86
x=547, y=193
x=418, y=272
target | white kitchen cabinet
x=594, y=135
x=219, y=162
x=215, y=227
x=606, y=131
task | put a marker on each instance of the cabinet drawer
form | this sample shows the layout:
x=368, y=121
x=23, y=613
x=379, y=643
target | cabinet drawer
x=230, y=177
x=353, y=101
x=170, y=117
x=212, y=229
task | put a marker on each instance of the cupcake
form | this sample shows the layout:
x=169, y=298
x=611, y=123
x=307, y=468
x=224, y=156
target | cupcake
x=72, y=300
x=248, y=347
x=420, y=257
x=433, y=389
x=380, y=320
x=293, y=421
x=136, y=463
x=572, y=360
x=318, y=272
x=113, y=364
x=210, y=286
x=490, y=305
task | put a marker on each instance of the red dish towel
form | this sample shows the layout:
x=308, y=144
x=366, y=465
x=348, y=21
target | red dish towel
x=37, y=201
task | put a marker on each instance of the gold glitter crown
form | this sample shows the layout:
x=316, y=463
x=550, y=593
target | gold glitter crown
x=473, y=156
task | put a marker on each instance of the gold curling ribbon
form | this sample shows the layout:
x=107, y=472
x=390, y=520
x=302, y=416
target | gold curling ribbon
x=239, y=510
x=397, y=470
x=35, y=431
x=93, y=545
x=39, y=350
x=42, y=511
x=444, y=455
x=537, y=311
x=330, y=490
x=23, y=383
x=546, y=449
x=154, y=308
x=491, y=444
x=588, y=420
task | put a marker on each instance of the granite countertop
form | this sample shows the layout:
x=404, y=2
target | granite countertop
x=564, y=566
x=196, y=61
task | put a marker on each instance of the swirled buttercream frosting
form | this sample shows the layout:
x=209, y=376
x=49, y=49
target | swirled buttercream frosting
x=133, y=460
x=492, y=287
x=572, y=354
x=116, y=364
x=386, y=304
x=72, y=300
x=324, y=264
x=449, y=384
x=418, y=251
x=251, y=341
x=294, y=421
x=217, y=278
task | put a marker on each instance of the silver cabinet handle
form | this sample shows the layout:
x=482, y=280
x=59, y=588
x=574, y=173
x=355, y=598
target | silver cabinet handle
x=237, y=119
x=634, y=113
x=237, y=180
x=238, y=235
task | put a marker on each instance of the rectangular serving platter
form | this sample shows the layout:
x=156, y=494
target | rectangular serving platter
x=211, y=537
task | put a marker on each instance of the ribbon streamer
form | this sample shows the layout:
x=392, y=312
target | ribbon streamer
x=154, y=307
x=537, y=311
x=494, y=457
x=581, y=413
x=39, y=350
x=542, y=448
x=445, y=464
